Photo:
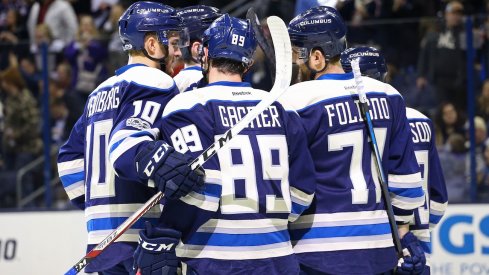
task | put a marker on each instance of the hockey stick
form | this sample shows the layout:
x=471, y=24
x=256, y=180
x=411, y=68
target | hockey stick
x=378, y=160
x=264, y=42
x=283, y=51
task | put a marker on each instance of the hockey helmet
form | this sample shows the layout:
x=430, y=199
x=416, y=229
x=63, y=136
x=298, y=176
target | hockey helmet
x=231, y=38
x=319, y=27
x=371, y=60
x=143, y=17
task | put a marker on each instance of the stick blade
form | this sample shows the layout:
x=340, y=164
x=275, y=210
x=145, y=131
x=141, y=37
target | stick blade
x=283, y=52
x=263, y=41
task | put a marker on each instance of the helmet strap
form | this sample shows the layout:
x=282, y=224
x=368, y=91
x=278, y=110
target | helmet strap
x=315, y=72
x=162, y=61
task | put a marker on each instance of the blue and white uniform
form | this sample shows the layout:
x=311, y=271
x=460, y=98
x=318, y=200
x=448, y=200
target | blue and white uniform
x=430, y=213
x=188, y=78
x=129, y=101
x=346, y=229
x=256, y=183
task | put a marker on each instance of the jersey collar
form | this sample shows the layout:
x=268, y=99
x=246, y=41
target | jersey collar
x=123, y=69
x=230, y=84
x=344, y=76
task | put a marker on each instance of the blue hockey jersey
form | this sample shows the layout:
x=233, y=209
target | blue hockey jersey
x=129, y=101
x=188, y=78
x=347, y=220
x=427, y=216
x=256, y=183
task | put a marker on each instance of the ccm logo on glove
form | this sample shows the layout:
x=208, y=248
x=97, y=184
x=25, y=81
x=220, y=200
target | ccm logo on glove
x=155, y=246
x=148, y=170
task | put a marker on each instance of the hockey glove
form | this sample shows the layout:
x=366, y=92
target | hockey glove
x=169, y=169
x=414, y=261
x=155, y=254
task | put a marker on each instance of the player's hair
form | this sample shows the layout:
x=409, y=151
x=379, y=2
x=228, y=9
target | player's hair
x=229, y=66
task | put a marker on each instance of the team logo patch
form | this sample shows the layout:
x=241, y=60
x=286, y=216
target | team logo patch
x=137, y=123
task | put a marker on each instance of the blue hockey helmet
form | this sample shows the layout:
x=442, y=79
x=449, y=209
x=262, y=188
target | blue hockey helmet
x=143, y=17
x=198, y=18
x=371, y=61
x=231, y=38
x=319, y=27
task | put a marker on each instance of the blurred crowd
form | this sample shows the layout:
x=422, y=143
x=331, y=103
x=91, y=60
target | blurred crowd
x=424, y=43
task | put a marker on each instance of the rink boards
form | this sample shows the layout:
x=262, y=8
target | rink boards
x=51, y=242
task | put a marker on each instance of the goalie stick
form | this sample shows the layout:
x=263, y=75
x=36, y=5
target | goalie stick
x=355, y=65
x=283, y=50
x=263, y=41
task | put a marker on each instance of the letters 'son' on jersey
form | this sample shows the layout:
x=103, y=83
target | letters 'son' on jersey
x=430, y=213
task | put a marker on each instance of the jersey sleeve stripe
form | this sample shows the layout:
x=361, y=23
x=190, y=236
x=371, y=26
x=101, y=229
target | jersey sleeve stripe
x=213, y=176
x=70, y=179
x=412, y=193
x=118, y=139
x=438, y=208
x=122, y=134
x=434, y=219
x=405, y=181
x=71, y=167
x=407, y=203
x=127, y=144
x=209, y=198
x=205, y=202
x=75, y=190
x=297, y=209
x=301, y=197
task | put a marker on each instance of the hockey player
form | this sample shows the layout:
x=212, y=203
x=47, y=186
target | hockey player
x=372, y=64
x=346, y=229
x=132, y=100
x=255, y=184
x=197, y=19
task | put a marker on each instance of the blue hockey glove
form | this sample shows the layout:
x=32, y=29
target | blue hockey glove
x=155, y=254
x=169, y=169
x=414, y=261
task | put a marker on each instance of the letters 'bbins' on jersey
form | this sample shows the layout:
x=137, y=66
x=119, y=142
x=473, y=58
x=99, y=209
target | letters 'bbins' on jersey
x=251, y=190
x=129, y=101
x=428, y=215
x=347, y=217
